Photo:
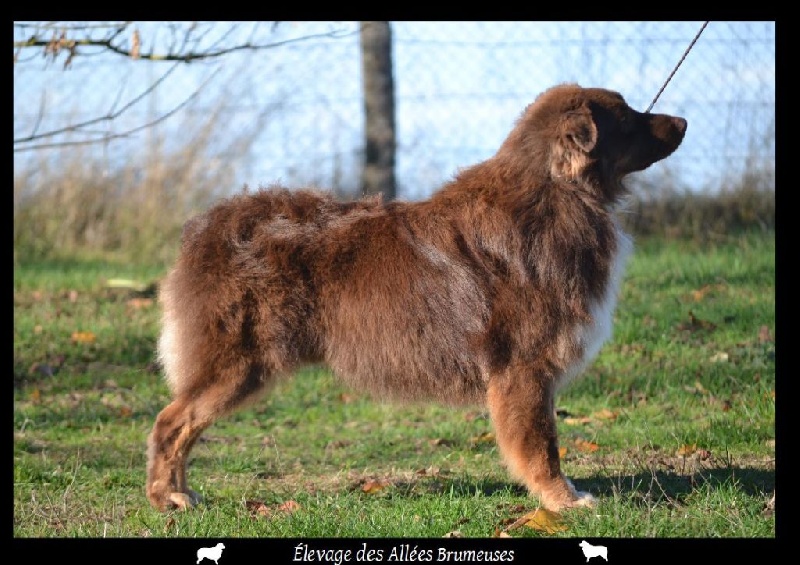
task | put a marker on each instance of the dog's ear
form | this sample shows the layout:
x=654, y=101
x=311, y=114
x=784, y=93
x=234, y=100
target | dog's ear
x=579, y=127
x=576, y=136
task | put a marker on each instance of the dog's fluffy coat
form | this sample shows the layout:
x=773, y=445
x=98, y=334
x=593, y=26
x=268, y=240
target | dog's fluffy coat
x=498, y=289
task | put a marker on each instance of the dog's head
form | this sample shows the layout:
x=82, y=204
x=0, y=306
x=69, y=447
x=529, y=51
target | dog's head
x=591, y=136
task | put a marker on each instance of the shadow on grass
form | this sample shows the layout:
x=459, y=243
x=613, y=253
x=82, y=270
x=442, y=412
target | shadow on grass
x=652, y=486
x=645, y=487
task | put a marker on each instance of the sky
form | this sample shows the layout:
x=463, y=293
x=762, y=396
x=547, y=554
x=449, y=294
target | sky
x=293, y=114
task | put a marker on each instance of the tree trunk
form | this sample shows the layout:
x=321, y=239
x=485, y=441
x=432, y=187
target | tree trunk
x=379, y=151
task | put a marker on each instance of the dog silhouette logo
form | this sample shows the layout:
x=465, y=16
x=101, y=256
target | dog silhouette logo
x=210, y=553
x=590, y=550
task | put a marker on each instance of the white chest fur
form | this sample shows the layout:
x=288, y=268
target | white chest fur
x=590, y=337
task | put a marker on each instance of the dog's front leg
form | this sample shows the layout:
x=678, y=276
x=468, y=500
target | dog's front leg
x=521, y=403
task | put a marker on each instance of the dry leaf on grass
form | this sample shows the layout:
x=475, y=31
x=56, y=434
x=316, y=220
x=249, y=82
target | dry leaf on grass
x=83, y=337
x=257, y=508
x=719, y=357
x=695, y=324
x=577, y=421
x=701, y=293
x=441, y=442
x=139, y=303
x=696, y=388
x=289, y=506
x=541, y=520
x=586, y=446
x=373, y=486
x=605, y=414
x=486, y=437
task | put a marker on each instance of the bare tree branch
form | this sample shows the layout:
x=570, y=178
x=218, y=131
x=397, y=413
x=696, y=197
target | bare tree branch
x=108, y=117
x=111, y=136
x=58, y=43
x=186, y=42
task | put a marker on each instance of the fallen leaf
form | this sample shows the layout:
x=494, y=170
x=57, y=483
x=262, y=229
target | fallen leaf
x=498, y=533
x=258, y=508
x=125, y=411
x=701, y=292
x=586, y=446
x=686, y=450
x=764, y=335
x=37, y=329
x=696, y=388
x=577, y=421
x=441, y=442
x=605, y=414
x=453, y=534
x=73, y=295
x=139, y=303
x=373, y=486
x=289, y=506
x=485, y=437
x=719, y=357
x=35, y=395
x=83, y=337
x=562, y=451
x=695, y=324
x=541, y=520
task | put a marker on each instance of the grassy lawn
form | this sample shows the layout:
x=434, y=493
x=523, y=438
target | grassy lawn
x=673, y=426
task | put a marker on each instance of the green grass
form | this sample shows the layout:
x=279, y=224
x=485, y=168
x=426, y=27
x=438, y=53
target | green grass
x=673, y=425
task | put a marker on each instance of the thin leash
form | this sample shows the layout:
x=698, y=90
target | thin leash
x=653, y=103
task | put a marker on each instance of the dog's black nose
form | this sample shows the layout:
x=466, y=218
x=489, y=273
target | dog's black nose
x=680, y=123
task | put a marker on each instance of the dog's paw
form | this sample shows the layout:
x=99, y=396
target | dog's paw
x=585, y=500
x=183, y=500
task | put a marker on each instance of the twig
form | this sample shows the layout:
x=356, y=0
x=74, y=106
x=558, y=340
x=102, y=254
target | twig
x=127, y=133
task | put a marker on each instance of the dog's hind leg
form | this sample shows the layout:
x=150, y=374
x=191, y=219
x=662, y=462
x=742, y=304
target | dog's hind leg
x=522, y=410
x=179, y=425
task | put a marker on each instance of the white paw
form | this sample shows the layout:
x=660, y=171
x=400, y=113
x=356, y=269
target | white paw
x=586, y=500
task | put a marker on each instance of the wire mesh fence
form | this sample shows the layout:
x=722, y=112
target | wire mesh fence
x=293, y=113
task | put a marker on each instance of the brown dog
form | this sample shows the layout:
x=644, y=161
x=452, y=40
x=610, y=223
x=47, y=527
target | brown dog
x=498, y=289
